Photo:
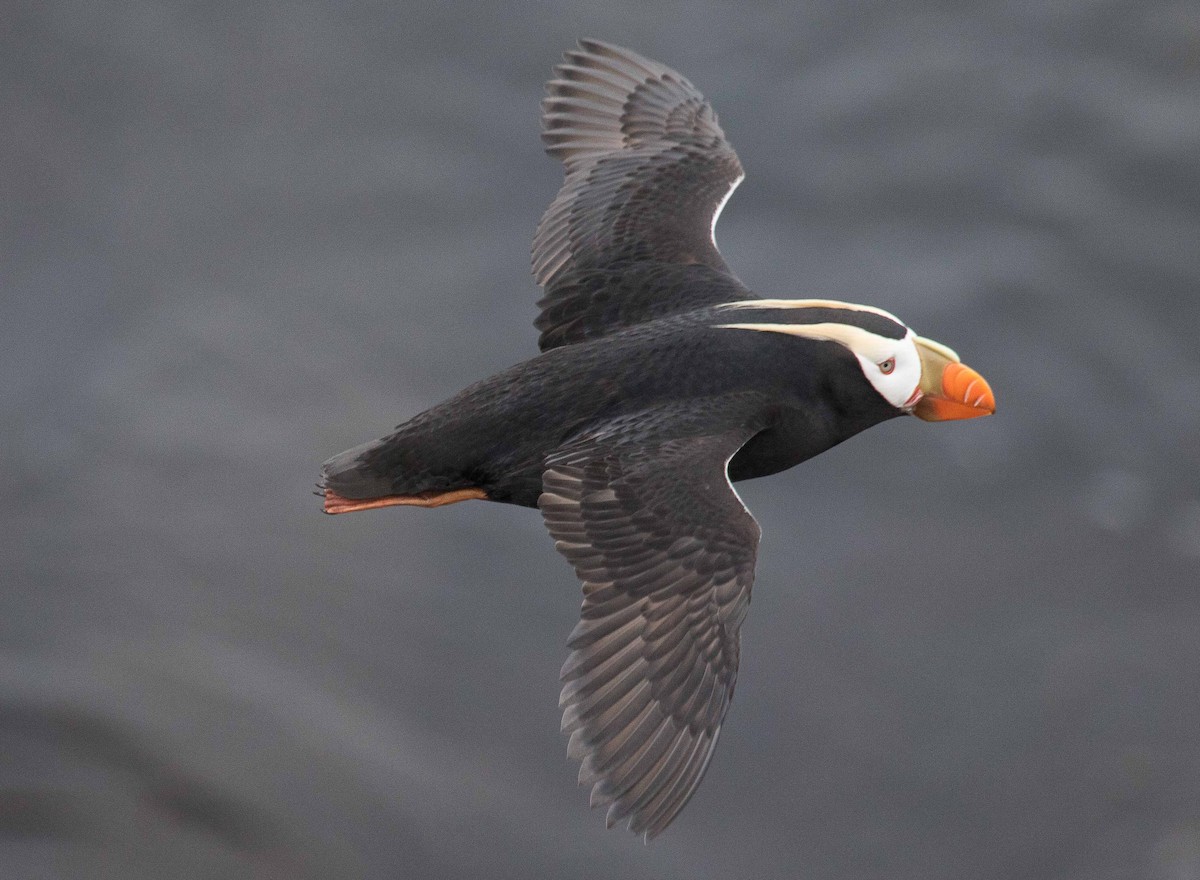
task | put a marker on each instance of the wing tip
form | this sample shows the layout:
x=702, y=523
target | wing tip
x=612, y=52
x=608, y=78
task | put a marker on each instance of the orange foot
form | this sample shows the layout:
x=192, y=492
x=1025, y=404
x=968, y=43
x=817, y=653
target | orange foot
x=335, y=503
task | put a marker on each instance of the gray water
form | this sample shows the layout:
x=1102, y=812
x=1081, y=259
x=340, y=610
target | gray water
x=240, y=237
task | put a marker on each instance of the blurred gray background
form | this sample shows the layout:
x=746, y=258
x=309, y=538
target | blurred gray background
x=241, y=237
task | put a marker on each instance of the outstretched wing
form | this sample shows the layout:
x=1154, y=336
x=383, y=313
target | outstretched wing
x=630, y=235
x=665, y=550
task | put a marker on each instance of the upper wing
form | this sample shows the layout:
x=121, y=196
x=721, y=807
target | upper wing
x=630, y=235
x=665, y=550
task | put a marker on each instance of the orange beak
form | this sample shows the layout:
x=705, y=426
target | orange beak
x=950, y=389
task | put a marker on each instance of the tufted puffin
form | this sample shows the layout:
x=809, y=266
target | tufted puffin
x=661, y=381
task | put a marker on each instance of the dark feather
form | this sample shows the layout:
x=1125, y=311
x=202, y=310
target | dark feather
x=665, y=550
x=647, y=167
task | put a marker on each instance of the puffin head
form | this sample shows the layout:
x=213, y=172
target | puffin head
x=916, y=375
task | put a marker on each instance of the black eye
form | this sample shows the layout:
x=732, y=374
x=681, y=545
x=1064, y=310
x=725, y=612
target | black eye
x=887, y=366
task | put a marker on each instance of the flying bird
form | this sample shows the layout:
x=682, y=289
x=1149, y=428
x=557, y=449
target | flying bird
x=661, y=381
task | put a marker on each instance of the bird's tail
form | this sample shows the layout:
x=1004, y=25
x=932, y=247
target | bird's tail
x=382, y=474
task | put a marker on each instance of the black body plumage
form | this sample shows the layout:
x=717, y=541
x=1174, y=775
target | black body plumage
x=676, y=376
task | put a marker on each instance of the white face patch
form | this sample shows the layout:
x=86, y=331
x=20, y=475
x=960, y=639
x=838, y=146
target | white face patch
x=892, y=366
x=897, y=377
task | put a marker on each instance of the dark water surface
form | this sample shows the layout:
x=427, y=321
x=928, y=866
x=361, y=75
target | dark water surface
x=240, y=237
